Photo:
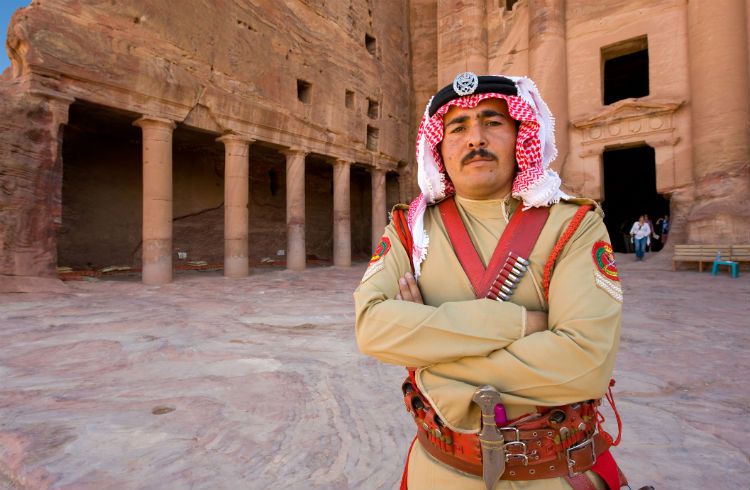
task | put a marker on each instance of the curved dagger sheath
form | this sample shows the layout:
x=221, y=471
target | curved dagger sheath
x=490, y=437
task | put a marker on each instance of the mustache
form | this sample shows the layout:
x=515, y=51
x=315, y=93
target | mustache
x=478, y=152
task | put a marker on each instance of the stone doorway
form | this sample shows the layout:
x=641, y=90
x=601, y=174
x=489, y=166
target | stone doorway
x=629, y=191
x=361, y=213
x=101, y=189
x=318, y=209
x=197, y=198
x=392, y=191
x=266, y=205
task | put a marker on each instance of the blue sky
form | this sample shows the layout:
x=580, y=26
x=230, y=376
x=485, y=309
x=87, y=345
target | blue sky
x=7, y=7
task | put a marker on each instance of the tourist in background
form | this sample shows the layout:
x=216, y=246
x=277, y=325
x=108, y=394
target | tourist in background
x=664, y=224
x=640, y=233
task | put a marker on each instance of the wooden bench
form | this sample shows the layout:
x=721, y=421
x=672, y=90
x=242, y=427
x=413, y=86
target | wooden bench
x=740, y=253
x=702, y=254
x=687, y=253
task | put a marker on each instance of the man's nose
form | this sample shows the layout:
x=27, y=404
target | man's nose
x=476, y=138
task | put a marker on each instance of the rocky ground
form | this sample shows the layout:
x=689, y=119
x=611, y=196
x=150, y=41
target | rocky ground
x=214, y=383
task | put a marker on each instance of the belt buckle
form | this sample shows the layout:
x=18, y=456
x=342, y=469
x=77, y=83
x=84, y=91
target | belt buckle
x=519, y=456
x=572, y=462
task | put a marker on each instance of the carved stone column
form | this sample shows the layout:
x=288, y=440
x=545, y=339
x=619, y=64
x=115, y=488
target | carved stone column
x=342, y=226
x=548, y=66
x=379, y=212
x=236, y=170
x=719, y=80
x=157, y=199
x=296, y=253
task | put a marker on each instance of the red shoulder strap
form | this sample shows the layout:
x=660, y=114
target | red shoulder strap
x=518, y=239
x=462, y=244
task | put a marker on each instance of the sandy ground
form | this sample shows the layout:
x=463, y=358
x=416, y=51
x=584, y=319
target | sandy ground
x=214, y=383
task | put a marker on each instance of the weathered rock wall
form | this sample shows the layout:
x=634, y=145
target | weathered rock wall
x=237, y=67
x=508, y=40
x=718, y=47
x=30, y=181
x=703, y=169
x=313, y=75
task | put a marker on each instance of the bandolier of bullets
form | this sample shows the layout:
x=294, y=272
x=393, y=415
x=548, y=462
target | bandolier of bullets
x=510, y=275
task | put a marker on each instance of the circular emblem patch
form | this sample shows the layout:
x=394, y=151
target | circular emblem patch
x=604, y=258
x=465, y=83
x=383, y=247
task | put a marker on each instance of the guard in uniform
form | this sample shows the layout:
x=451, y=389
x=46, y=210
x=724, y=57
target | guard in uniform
x=499, y=293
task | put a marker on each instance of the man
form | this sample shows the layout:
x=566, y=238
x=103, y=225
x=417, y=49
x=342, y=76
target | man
x=495, y=278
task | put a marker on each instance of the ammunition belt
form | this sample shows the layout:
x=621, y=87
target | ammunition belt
x=556, y=442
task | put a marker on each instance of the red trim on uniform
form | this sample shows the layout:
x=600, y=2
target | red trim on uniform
x=577, y=218
x=600, y=418
x=404, y=234
x=406, y=466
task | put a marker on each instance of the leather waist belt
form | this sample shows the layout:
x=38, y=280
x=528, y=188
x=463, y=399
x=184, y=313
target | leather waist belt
x=555, y=442
x=575, y=460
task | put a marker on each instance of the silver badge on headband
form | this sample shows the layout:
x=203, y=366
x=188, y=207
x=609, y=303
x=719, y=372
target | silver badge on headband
x=465, y=83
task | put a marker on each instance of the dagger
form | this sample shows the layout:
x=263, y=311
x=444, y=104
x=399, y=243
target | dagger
x=490, y=437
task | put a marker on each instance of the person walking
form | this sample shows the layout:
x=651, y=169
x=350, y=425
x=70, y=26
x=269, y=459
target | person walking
x=640, y=232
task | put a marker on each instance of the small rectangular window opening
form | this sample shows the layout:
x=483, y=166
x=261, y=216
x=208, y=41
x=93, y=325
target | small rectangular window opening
x=372, y=109
x=370, y=44
x=349, y=99
x=625, y=70
x=372, y=138
x=304, y=91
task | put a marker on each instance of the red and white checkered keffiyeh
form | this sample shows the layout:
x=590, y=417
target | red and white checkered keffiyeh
x=535, y=183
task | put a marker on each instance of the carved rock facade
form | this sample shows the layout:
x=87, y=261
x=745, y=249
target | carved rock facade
x=287, y=127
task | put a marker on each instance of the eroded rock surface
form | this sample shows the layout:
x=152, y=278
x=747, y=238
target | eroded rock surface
x=210, y=382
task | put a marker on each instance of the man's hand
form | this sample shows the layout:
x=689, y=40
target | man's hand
x=536, y=321
x=409, y=289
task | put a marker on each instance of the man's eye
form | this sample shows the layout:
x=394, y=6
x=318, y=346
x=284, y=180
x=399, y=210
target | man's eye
x=457, y=129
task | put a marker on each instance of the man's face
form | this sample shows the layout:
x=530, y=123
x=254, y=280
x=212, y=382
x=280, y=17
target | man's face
x=478, y=149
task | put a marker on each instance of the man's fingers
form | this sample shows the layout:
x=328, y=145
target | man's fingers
x=408, y=289
x=413, y=288
x=405, y=291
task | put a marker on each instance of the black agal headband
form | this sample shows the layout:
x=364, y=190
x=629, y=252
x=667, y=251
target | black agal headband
x=468, y=84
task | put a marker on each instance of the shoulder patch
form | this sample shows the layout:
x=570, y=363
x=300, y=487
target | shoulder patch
x=383, y=247
x=605, y=274
x=612, y=288
x=372, y=269
x=604, y=259
x=377, y=263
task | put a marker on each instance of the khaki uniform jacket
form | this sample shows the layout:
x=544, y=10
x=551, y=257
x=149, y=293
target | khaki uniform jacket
x=458, y=342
